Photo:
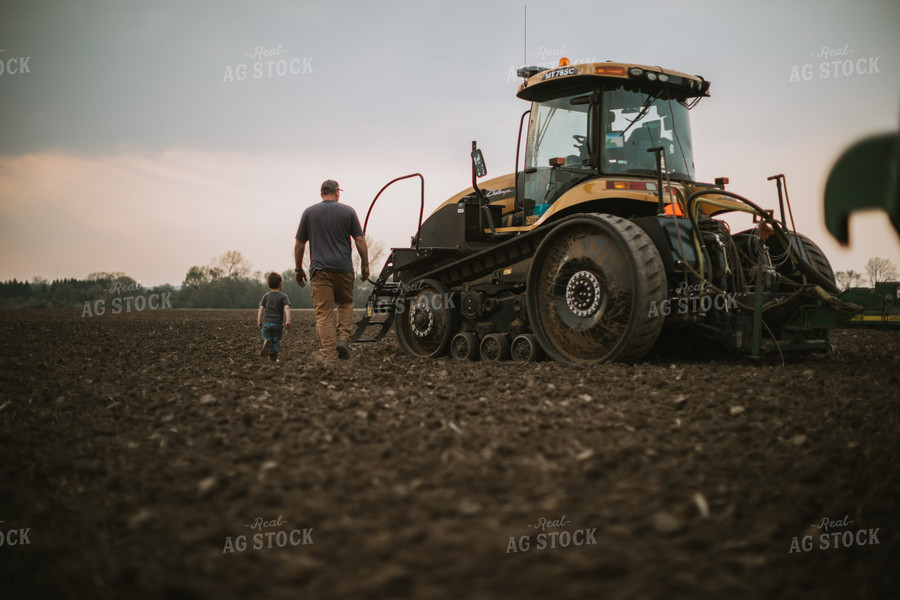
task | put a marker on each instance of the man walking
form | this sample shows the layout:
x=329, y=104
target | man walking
x=328, y=227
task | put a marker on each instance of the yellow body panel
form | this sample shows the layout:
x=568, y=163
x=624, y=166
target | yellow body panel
x=596, y=189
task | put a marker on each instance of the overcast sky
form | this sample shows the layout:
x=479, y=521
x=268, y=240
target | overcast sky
x=147, y=137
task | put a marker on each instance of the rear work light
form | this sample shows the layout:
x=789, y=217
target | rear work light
x=644, y=186
x=610, y=70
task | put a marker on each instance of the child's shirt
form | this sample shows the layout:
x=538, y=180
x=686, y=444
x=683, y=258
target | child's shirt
x=273, y=304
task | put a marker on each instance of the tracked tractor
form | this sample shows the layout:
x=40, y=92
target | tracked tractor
x=602, y=242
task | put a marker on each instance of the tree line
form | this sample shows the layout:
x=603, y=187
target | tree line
x=226, y=282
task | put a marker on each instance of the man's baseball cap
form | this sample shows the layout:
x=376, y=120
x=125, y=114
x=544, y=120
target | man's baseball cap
x=330, y=186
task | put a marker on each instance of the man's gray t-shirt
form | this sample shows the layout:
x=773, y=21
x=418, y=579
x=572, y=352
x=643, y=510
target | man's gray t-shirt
x=273, y=304
x=328, y=227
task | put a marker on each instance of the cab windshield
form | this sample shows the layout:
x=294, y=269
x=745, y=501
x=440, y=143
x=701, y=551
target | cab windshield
x=634, y=122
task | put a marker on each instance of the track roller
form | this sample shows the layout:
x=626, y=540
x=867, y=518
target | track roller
x=495, y=346
x=464, y=345
x=525, y=348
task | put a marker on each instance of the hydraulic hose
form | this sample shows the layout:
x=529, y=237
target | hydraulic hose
x=805, y=268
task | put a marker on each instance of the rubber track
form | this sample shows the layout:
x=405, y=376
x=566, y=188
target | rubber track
x=489, y=260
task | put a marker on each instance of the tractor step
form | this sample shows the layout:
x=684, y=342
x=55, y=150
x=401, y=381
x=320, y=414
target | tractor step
x=374, y=310
x=380, y=310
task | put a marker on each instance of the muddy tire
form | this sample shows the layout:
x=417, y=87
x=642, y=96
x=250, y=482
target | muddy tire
x=817, y=258
x=591, y=290
x=819, y=269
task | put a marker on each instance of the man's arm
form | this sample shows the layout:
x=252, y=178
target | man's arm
x=363, y=250
x=299, y=249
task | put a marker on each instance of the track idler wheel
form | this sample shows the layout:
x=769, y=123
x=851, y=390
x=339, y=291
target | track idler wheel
x=525, y=348
x=591, y=288
x=426, y=319
x=464, y=345
x=495, y=346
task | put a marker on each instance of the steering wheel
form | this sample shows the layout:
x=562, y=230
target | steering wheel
x=582, y=148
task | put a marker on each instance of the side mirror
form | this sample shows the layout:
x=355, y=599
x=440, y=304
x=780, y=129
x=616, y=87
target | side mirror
x=478, y=163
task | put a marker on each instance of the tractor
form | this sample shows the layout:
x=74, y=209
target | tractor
x=602, y=243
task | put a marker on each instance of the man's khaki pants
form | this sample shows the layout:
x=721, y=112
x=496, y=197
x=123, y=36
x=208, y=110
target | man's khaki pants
x=328, y=289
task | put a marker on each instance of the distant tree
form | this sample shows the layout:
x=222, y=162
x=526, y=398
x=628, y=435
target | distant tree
x=224, y=283
x=196, y=276
x=300, y=296
x=377, y=252
x=880, y=269
x=14, y=294
x=64, y=295
x=104, y=276
x=232, y=264
x=848, y=279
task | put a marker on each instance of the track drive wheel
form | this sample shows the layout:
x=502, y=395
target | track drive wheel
x=464, y=345
x=426, y=319
x=591, y=288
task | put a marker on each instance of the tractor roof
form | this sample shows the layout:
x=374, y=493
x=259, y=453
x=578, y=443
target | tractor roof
x=539, y=81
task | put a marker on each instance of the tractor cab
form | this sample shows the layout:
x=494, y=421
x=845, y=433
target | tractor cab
x=602, y=120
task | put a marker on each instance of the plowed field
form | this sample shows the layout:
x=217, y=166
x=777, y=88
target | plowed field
x=156, y=455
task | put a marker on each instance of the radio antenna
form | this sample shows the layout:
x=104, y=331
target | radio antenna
x=525, y=38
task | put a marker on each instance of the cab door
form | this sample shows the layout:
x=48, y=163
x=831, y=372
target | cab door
x=558, y=150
